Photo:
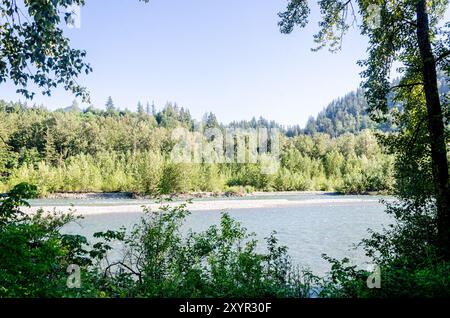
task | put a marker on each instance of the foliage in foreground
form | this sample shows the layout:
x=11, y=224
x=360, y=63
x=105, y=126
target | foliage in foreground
x=223, y=261
x=157, y=260
x=220, y=262
x=34, y=254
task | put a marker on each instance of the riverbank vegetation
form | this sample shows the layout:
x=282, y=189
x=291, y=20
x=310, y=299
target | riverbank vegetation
x=106, y=151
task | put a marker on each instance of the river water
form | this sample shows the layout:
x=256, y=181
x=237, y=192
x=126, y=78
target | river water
x=308, y=224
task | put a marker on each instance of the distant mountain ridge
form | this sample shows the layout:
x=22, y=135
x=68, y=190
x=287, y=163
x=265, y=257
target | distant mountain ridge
x=348, y=114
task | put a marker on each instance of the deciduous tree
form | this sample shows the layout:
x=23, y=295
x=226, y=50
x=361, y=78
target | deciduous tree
x=407, y=32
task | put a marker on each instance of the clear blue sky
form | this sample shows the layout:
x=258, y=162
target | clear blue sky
x=227, y=57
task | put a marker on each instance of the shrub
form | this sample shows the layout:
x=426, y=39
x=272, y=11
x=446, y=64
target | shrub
x=172, y=179
x=34, y=255
x=288, y=181
x=219, y=262
x=147, y=172
x=209, y=178
x=234, y=191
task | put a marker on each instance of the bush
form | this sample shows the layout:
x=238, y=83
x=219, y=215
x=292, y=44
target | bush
x=219, y=262
x=234, y=191
x=354, y=183
x=209, y=178
x=158, y=261
x=174, y=179
x=288, y=181
x=34, y=255
x=147, y=172
x=397, y=279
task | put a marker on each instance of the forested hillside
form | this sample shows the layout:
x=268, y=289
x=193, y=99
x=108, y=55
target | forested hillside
x=116, y=150
x=346, y=114
x=349, y=114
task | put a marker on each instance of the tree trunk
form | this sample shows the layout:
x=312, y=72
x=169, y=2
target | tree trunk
x=435, y=128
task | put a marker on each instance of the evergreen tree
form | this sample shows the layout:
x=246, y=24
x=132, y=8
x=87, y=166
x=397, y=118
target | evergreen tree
x=140, y=109
x=75, y=107
x=50, y=154
x=210, y=120
x=110, y=108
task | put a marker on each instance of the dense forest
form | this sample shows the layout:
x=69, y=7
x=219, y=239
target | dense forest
x=394, y=139
x=347, y=114
x=350, y=114
x=73, y=150
x=344, y=115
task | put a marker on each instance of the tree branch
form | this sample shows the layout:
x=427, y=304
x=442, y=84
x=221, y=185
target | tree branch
x=139, y=275
x=442, y=56
x=407, y=85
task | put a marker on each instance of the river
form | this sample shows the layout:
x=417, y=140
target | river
x=308, y=224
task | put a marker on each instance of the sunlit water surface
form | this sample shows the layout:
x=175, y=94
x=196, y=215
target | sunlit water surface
x=319, y=224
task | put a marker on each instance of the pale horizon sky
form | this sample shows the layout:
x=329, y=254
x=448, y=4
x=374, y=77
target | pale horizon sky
x=227, y=57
